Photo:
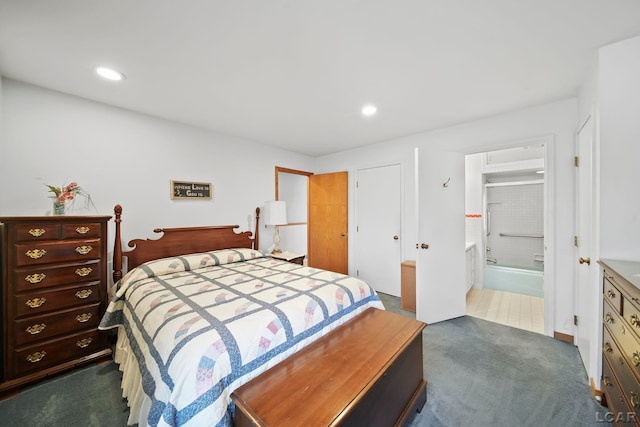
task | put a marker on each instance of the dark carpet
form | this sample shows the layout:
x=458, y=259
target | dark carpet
x=484, y=374
x=479, y=374
x=85, y=397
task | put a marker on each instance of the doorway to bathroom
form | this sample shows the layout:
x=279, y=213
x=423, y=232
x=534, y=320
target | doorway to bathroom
x=505, y=223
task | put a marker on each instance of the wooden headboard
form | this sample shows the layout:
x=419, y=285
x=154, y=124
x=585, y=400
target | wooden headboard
x=179, y=241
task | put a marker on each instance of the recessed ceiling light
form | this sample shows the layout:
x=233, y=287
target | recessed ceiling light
x=369, y=110
x=110, y=74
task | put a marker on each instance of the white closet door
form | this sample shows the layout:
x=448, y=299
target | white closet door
x=588, y=288
x=379, y=204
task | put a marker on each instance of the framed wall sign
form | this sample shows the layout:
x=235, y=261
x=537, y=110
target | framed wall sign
x=191, y=190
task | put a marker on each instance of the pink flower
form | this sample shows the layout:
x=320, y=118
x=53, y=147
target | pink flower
x=67, y=193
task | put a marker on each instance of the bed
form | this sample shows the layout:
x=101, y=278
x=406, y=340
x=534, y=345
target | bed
x=201, y=311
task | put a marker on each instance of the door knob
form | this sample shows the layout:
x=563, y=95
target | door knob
x=343, y=234
x=395, y=237
x=586, y=260
x=424, y=246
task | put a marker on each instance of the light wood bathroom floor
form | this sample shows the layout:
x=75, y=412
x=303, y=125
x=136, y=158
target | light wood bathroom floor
x=506, y=308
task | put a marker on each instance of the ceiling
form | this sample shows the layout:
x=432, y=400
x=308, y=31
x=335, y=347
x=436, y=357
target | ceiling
x=295, y=73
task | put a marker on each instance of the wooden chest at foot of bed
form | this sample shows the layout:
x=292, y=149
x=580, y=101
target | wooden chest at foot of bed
x=365, y=372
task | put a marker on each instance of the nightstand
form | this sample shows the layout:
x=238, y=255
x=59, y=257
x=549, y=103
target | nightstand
x=289, y=257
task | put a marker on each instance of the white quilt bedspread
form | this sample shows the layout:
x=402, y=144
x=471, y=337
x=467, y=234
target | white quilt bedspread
x=201, y=325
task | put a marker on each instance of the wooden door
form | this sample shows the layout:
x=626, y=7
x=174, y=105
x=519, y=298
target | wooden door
x=328, y=225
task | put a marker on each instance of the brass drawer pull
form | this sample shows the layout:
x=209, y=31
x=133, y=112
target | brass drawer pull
x=636, y=300
x=607, y=382
x=84, y=317
x=84, y=271
x=608, y=318
x=36, y=302
x=83, y=294
x=83, y=250
x=607, y=348
x=611, y=294
x=610, y=276
x=634, y=320
x=37, y=232
x=83, y=343
x=635, y=399
x=35, y=253
x=35, y=329
x=82, y=230
x=635, y=358
x=37, y=356
x=35, y=278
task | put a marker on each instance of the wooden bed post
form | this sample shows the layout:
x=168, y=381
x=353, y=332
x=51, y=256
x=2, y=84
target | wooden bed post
x=256, y=239
x=117, y=247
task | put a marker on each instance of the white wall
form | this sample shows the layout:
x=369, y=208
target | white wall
x=588, y=91
x=619, y=106
x=558, y=119
x=474, y=205
x=127, y=158
x=49, y=137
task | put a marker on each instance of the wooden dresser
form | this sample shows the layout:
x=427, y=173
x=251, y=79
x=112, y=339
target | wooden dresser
x=621, y=340
x=367, y=372
x=53, y=294
x=408, y=286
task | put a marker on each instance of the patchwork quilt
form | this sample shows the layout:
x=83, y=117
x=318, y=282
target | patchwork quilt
x=201, y=325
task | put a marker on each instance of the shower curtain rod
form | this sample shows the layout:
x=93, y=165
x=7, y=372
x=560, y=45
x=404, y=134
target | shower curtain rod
x=505, y=184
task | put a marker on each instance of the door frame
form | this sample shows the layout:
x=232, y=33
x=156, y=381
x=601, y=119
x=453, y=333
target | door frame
x=280, y=169
x=549, y=219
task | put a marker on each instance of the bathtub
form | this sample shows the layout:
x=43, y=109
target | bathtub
x=513, y=279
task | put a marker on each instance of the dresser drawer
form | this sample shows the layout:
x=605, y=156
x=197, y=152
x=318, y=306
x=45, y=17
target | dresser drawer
x=51, y=325
x=60, y=251
x=613, y=295
x=615, y=398
x=41, y=302
x=629, y=345
x=611, y=350
x=619, y=360
x=81, y=230
x=53, y=352
x=39, y=277
x=36, y=231
x=631, y=315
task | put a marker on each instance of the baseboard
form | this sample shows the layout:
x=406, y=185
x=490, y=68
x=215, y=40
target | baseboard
x=563, y=337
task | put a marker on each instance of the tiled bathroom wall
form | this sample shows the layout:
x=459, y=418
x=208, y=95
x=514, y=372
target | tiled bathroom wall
x=515, y=225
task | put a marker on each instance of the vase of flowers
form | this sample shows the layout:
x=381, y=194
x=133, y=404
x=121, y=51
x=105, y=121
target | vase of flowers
x=65, y=195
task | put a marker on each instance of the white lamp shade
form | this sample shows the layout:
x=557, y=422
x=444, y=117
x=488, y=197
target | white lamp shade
x=275, y=213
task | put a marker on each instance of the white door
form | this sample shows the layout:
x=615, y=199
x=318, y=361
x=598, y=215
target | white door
x=440, y=260
x=378, y=227
x=587, y=289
